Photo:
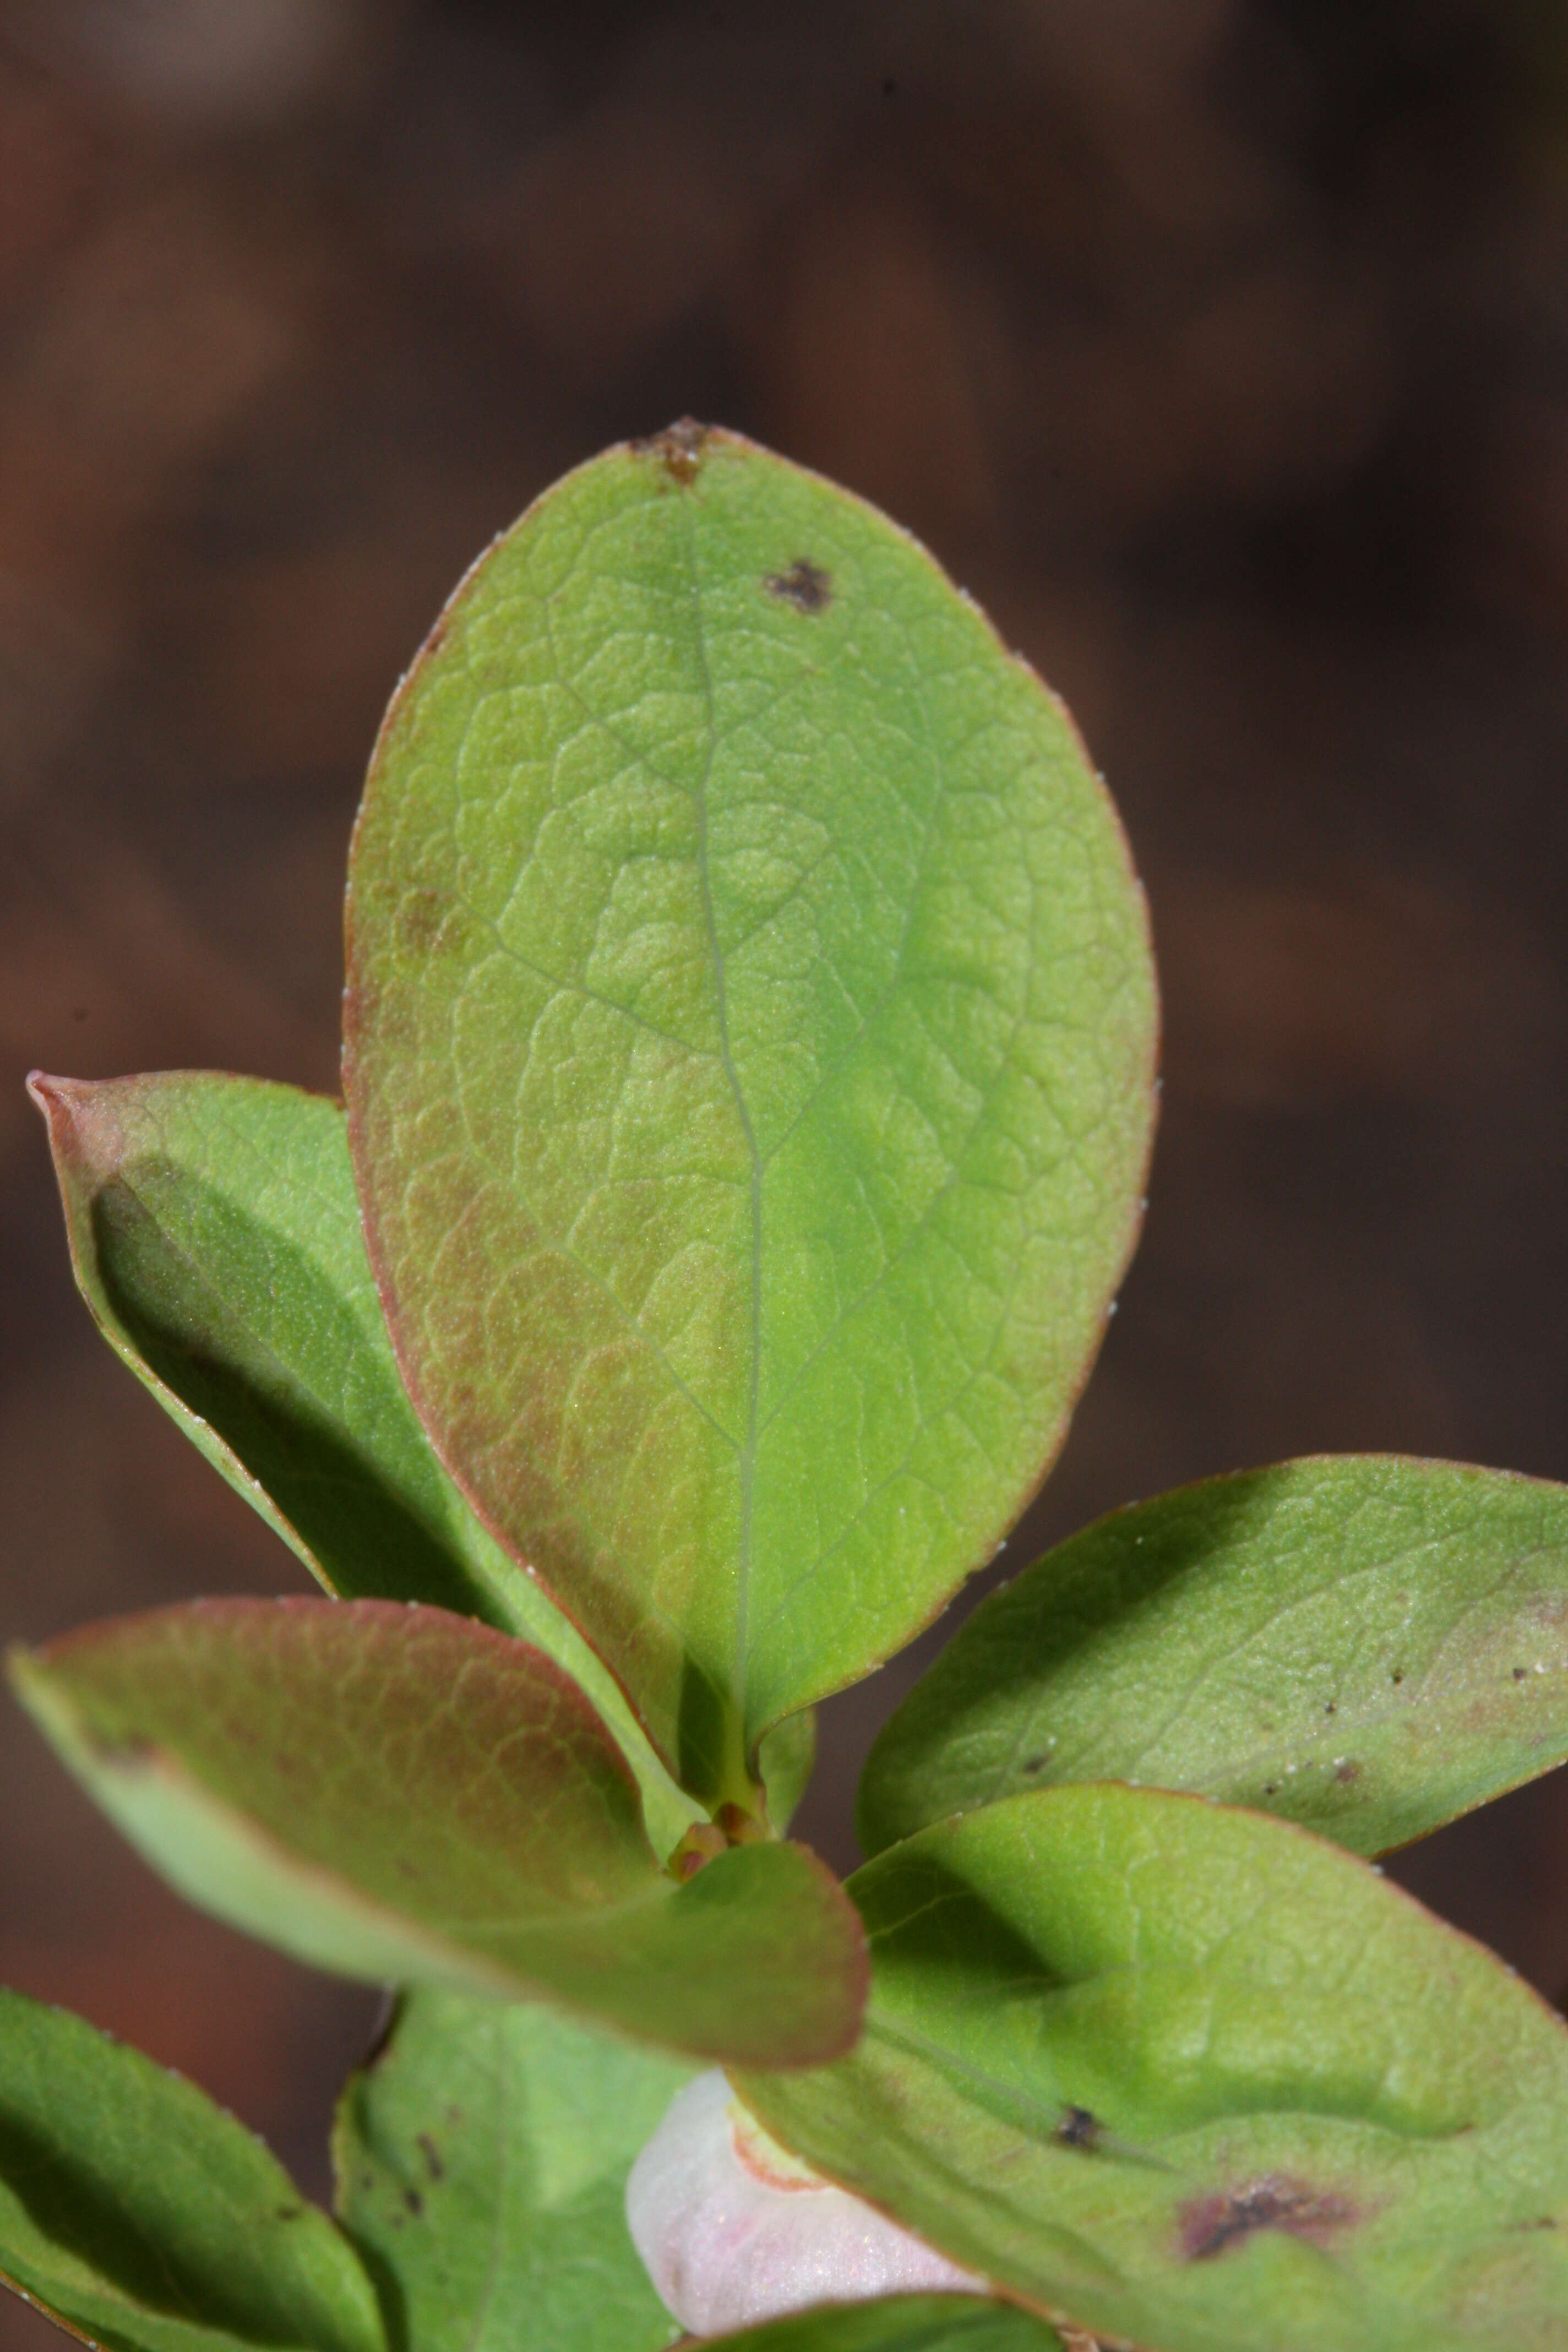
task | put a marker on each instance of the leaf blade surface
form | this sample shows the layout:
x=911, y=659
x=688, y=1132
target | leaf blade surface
x=405, y=1796
x=1367, y=1645
x=143, y=2218
x=748, y=1047
x=481, y=2160
x=1188, y=2075
x=916, y=2323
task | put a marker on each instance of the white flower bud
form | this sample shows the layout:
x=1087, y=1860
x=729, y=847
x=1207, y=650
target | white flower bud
x=734, y=2231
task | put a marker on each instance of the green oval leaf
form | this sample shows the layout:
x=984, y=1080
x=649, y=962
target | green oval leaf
x=216, y=1235
x=912, y=2323
x=481, y=2158
x=403, y=1795
x=1368, y=1645
x=749, y=1036
x=1190, y=2077
x=145, y=2220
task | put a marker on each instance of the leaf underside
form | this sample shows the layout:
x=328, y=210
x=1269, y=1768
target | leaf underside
x=405, y=1796
x=1368, y=1645
x=216, y=1235
x=747, y=1048
x=1189, y=2077
x=481, y=2160
x=138, y=2215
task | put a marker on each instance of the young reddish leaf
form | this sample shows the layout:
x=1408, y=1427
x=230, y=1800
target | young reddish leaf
x=215, y=1236
x=143, y=2219
x=1370, y=1646
x=481, y=2158
x=1192, y=2077
x=407, y=1796
x=749, y=1036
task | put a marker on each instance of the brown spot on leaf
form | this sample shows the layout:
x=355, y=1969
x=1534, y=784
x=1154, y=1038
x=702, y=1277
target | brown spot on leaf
x=806, y=585
x=1211, y=2224
x=419, y=917
x=1519, y=1673
x=414, y=2202
x=1033, y=1764
x=1078, y=2128
x=679, y=449
x=429, y=2150
x=1331, y=1707
x=1347, y=1771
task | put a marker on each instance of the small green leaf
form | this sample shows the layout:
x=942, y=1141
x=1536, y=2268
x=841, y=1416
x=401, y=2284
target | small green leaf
x=904, y=2323
x=1367, y=1645
x=405, y=1796
x=215, y=1236
x=1193, y=2077
x=482, y=2159
x=786, y=1760
x=748, y=1046
x=145, y=2220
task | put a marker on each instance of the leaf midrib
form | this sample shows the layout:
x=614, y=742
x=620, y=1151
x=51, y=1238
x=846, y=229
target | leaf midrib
x=746, y=1458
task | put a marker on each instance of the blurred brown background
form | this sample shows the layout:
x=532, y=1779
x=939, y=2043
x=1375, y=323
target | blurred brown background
x=1220, y=346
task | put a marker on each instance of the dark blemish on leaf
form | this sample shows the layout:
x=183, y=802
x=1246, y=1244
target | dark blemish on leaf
x=1541, y=2222
x=1330, y=1707
x=420, y=919
x=1347, y=1771
x=427, y=2149
x=414, y=2202
x=1271, y=1789
x=1210, y=2224
x=806, y=585
x=1033, y=1764
x=679, y=449
x=1077, y=2128
x=290, y=2213
x=1519, y=1673
x=1396, y=1676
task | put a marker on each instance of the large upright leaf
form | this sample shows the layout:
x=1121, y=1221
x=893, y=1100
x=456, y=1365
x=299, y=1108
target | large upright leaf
x=1369, y=1645
x=145, y=2220
x=1193, y=2077
x=749, y=1036
x=482, y=2159
x=215, y=1236
x=407, y=1796
x=903, y=2322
